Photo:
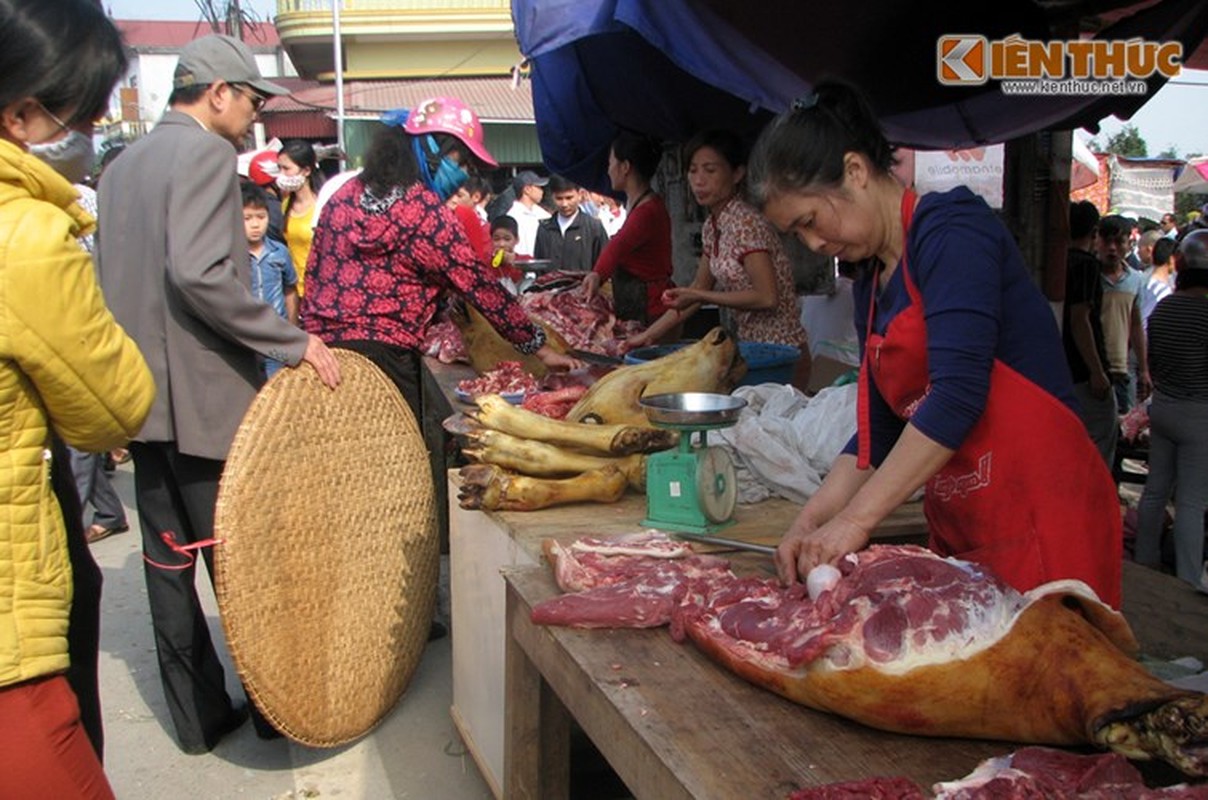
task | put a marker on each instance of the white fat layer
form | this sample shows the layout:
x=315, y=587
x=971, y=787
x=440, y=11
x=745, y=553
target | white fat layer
x=648, y=545
x=634, y=551
x=985, y=772
x=985, y=626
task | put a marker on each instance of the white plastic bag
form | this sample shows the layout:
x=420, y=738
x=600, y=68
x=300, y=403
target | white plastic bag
x=784, y=443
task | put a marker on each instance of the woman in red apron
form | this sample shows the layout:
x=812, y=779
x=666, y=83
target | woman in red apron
x=1012, y=480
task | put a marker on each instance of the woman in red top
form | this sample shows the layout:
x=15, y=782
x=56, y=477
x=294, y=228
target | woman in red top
x=638, y=259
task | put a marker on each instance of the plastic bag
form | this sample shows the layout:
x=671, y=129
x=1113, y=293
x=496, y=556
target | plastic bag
x=784, y=443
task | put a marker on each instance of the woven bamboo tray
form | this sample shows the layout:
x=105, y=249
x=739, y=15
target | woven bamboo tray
x=326, y=575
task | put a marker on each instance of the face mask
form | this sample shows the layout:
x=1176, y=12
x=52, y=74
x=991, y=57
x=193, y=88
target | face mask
x=290, y=183
x=449, y=176
x=71, y=156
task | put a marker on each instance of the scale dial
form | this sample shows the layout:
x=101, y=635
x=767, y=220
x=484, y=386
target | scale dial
x=716, y=484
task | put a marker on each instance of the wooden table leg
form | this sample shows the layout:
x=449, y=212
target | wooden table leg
x=536, y=746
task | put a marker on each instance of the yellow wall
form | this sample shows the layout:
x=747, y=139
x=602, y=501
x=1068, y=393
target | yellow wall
x=429, y=59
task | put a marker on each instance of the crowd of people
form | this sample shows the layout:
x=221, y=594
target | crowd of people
x=218, y=283
x=1136, y=339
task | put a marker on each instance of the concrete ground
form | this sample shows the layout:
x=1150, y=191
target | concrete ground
x=415, y=753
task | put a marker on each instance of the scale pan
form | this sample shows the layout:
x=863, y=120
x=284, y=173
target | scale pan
x=692, y=408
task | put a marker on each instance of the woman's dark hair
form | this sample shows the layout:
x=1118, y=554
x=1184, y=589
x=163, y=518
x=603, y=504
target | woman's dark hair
x=390, y=161
x=728, y=145
x=65, y=53
x=803, y=148
x=302, y=153
x=642, y=152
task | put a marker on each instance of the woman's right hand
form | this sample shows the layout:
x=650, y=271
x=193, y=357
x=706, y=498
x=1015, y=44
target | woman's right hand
x=679, y=298
x=807, y=543
x=591, y=285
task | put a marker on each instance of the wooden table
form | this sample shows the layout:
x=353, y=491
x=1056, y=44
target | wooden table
x=675, y=725
x=483, y=544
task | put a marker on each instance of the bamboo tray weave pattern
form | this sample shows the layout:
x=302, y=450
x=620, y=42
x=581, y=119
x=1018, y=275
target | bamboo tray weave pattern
x=326, y=574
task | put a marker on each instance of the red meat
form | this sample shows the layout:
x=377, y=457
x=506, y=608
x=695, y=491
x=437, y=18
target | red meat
x=1044, y=773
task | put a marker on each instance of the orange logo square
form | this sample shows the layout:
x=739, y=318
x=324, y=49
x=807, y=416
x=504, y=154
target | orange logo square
x=961, y=60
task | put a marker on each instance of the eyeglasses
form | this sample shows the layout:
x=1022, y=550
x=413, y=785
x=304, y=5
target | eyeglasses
x=257, y=100
x=62, y=125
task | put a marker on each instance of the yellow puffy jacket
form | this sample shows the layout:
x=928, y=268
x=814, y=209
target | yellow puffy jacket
x=64, y=364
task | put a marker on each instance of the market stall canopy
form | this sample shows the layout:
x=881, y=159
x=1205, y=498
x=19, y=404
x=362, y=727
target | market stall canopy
x=1084, y=169
x=1194, y=177
x=670, y=69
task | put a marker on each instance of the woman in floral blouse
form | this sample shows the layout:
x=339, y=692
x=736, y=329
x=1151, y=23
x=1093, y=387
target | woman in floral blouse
x=387, y=246
x=743, y=267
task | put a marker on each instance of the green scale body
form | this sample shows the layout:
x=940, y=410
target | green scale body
x=691, y=488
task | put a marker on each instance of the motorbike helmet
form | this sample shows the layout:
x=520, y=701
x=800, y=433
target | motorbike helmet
x=263, y=169
x=452, y=116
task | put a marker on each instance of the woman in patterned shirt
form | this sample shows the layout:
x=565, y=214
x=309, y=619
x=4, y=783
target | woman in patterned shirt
x=387, y=246
x=743, y=267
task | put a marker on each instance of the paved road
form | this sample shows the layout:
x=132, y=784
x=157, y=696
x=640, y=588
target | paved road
x=415, y=753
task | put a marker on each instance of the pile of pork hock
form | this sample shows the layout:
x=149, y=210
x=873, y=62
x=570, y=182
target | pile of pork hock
x=522, y=461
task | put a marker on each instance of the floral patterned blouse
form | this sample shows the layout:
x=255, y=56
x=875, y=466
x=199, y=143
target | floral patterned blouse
x=378, y=265
x=730, y=235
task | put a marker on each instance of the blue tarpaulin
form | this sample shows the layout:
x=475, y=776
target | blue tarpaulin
x=669, y=68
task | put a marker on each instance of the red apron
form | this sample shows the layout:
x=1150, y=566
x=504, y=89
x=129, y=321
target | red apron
x=1027, y=494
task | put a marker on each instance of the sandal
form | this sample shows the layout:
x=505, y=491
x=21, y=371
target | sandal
x=97, y=532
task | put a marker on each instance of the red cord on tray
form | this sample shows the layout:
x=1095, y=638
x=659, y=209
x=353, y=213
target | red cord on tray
x=185, y=550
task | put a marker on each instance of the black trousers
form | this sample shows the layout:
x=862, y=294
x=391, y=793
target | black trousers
x=400, y=365
x=84, y=621
x=177, y=492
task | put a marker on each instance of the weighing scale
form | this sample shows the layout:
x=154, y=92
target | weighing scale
x=692, y=488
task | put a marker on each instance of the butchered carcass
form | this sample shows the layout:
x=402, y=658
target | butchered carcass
x=709, y=365
x=914, y=643
x=910, y=642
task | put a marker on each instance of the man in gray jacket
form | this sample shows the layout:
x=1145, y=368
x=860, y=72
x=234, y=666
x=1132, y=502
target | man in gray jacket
x=174, y=268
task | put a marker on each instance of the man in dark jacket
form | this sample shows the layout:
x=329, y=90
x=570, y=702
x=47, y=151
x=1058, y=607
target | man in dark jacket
x=572, y=240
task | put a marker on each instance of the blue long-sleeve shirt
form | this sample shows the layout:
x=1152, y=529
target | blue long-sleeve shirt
x=979, y=304
x=272, y=273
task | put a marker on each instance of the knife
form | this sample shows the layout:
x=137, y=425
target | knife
x=596, y=358
x=736, y=544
